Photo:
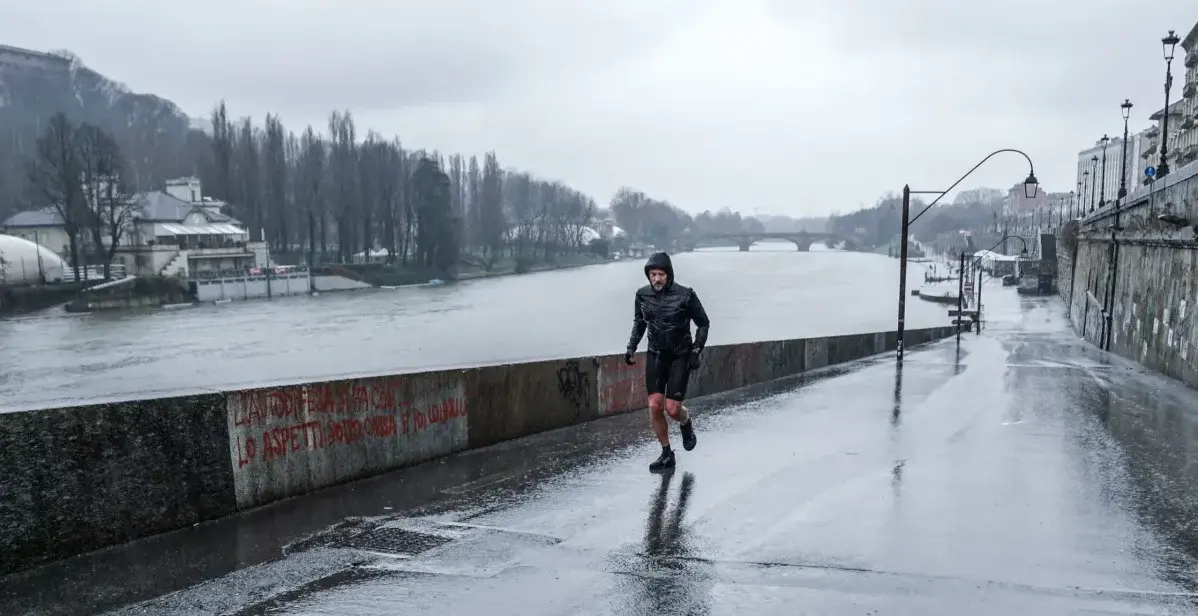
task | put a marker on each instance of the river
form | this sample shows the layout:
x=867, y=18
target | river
x=771, y=292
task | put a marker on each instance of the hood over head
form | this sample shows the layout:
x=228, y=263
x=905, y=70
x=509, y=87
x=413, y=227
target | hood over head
x=661, y=261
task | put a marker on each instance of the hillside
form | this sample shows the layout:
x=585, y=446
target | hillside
x=153, y=132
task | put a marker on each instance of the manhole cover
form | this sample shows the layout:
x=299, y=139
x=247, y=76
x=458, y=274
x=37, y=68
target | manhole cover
x=393, y=540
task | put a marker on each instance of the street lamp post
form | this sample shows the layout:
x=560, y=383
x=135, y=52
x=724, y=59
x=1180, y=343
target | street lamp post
x=1075, y=207
x=960, y=297
x=1030, y=186
x=1126, y=107
x=1169, y=43
x=1093, y=181
x=1109, y=300
x=1085, y=184
x=1102, y=184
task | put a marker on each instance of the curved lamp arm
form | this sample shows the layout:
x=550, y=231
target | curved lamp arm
x=1031, y=177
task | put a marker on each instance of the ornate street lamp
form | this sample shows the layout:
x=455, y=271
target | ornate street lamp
x=1126, y=107
x=1102, y=184
x=1169, y=43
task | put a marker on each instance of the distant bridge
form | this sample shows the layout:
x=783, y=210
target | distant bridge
x=801, y=239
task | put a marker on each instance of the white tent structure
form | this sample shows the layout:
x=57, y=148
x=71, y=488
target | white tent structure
x=24, y=262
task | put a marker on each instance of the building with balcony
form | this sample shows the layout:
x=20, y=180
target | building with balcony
x=1187, y=129
x=174, y=232
x=1102, y=183
x=1150, y=152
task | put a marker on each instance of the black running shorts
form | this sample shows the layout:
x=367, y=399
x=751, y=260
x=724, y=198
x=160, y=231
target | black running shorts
x=665, y=374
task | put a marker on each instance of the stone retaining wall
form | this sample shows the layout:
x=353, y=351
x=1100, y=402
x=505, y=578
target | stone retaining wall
x=77, y=479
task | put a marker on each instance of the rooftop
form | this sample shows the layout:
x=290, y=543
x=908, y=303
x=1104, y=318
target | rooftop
x=1190, y=42
x=155, y=206
x=1174, y=109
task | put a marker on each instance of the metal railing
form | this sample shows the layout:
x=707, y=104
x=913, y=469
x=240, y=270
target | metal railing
x=116, y=271
x=24, y=272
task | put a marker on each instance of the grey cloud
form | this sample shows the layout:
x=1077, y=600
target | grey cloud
x=1075, y=55
x=799, y=106
x=371, y=54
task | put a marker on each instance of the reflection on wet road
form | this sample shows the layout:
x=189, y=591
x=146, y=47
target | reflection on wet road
x=770, y=293
x=1025, y=473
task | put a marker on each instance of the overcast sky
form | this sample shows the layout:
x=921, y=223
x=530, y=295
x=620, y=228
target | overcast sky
x=797, y=107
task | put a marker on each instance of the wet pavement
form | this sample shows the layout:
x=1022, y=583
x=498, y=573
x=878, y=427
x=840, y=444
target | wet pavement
x=1023, y=472
x=772, y=292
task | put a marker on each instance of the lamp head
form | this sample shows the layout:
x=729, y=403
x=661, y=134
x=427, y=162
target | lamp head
x=1169, y=44
x=1030, y=186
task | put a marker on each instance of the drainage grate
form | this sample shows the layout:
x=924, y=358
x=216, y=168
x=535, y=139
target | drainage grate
x=391, y=540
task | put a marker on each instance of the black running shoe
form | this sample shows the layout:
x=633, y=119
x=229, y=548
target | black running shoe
x=666, y=460
x=689, y=440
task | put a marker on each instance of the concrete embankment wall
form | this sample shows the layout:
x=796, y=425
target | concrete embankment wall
x=1153, y=280
x=81, y=478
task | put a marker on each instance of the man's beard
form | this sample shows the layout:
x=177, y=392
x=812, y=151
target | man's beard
x=657, y=286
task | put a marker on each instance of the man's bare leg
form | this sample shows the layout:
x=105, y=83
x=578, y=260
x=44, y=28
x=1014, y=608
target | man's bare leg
x=657, y=418
x=681, y=415
x=676, y=411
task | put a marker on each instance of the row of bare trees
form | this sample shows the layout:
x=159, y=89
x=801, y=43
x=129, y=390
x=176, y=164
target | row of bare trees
x=338, y=197
x=335, y=196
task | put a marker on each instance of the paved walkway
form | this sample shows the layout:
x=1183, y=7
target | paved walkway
x=1023, y=473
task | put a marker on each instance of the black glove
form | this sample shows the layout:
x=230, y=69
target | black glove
x=628, y=358
x=693, y=361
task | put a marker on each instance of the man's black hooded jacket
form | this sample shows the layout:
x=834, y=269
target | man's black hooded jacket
x=667, y=314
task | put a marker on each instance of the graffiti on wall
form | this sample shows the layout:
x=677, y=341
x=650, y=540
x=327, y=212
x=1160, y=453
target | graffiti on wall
x=572, y=383
x=269, y=425
x=621, y=387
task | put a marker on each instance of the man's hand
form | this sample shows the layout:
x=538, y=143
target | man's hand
x=628, y=358
x=693, y=361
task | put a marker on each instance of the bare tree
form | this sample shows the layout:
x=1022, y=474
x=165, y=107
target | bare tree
x=343, y=173
x=389, y=185
x=222, y=154
x=293, y=226
x=274, y=162
x=492, y=222
x=107, y=195
x=54, y=176
x=436, y=226
x=372, y=163
x=457, y=185
x=249, y=180
x=473, y=238
x=311, y=193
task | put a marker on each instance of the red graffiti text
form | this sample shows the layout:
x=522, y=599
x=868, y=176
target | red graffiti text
x=286, y=438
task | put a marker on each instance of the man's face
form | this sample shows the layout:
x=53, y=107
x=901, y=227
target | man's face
x=657, y=278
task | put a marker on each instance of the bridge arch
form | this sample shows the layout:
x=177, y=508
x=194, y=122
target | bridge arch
x=801, y=240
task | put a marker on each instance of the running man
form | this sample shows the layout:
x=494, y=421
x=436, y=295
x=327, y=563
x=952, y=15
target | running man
x=666, y=309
